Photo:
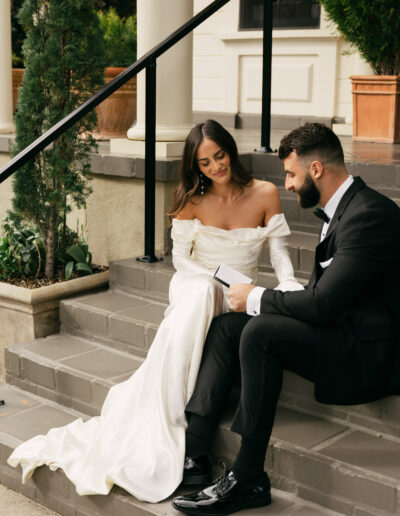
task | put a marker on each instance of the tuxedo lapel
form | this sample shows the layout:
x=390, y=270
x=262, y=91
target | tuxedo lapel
x=320, y=250
x=357, y=184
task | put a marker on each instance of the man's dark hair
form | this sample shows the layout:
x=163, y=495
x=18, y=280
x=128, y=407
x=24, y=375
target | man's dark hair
x=313, y=140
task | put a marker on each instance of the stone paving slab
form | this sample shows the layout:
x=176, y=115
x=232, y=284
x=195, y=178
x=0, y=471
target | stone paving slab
x=124, y=321
x=40, y=419
x=57, y=347
x=303, y=429
x=369, y=451
x=103, y=363
x=15, y=401
x=80, y=378
x=110, y=302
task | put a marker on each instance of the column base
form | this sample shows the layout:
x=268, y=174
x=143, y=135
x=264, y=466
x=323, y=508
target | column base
x=137, y=148
x=7, y=128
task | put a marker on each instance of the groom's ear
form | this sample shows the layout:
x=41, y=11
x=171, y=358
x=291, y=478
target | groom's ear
x=316, y=170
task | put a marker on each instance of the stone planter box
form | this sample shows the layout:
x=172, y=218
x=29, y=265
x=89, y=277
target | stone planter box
x=28, y=314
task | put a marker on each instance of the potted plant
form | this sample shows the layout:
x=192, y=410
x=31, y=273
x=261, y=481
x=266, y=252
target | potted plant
x=373, y=27
x=116, y=114
x=61, y=71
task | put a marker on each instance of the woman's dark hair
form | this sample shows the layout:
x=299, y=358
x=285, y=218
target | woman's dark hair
x=189, y=172
x=313, y=140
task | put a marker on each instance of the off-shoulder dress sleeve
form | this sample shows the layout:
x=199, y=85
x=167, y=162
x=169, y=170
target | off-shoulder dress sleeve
x=279, y=253
x=183, y=233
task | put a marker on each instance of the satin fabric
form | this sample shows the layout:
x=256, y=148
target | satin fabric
x=138, y=441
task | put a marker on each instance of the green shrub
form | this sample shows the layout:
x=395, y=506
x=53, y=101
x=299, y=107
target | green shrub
x=22, y=251
x=17, y=35
x=373, y=27
x=119, y=38
x=64, y=65
x=80, y=262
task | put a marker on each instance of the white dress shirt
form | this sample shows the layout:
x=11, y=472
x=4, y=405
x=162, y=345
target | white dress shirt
x=253, y=304
x=332, y=204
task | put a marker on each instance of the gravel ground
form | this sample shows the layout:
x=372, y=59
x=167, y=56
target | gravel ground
x=15, y=504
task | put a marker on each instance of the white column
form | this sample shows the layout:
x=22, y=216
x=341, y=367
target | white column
x=157, y=19
x=6, y=112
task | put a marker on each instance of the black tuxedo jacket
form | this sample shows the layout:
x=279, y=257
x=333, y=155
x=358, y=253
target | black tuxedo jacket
x=355, y=294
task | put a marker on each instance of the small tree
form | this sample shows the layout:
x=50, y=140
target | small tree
x=119, y=38
x=64, y=64
x=373, y=27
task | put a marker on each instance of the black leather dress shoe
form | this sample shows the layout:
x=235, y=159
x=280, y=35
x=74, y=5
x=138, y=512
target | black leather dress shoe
x=225, y=496
x=196, y=471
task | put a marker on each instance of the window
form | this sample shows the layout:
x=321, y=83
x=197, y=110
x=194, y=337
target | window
x=287, y=14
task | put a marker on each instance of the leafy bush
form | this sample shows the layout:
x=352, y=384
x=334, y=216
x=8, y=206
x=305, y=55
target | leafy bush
x=81, y=261
x=22, y=251
x=17, y=35
x=124, y=8
x=373, y=27
x=119, y=38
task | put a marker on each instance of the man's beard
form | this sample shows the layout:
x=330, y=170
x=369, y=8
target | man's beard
x=308, y=193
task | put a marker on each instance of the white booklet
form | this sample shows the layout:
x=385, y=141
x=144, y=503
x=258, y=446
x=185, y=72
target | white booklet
x=228, y=276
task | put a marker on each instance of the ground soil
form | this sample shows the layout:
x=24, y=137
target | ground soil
x=28, y=282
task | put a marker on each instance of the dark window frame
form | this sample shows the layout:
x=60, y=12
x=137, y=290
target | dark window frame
x=287, y=14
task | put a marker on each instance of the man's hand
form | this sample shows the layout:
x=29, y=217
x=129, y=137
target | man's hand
x=238, y=296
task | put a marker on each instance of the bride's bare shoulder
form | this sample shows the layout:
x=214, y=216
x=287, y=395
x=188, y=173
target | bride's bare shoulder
x=188, y=212
x=264, y=189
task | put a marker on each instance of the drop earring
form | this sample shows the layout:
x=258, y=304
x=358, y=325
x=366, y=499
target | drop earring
x=201, y=184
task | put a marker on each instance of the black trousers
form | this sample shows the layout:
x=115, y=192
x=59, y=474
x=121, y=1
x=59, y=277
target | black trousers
x=257, y=350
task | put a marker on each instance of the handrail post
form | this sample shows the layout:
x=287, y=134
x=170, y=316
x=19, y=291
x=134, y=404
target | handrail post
x=266, y=78
x=150, y=165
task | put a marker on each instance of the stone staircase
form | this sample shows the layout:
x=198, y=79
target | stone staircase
x=322, y=459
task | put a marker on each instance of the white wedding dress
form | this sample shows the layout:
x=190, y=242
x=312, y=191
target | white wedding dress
x=138, y=441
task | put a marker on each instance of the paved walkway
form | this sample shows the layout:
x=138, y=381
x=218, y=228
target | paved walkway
x=15, y=504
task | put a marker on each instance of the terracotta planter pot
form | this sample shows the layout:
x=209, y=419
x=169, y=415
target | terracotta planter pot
x=116, y=114
x=17, y=76
x=376, y=108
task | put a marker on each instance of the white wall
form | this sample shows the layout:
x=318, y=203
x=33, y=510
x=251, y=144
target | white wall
x=309, y=71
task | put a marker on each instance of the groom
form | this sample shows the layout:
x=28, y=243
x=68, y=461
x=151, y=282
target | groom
x=341, y=332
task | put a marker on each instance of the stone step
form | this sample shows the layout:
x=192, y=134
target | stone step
x=377, y=171
x=71, y=371
x=129, y=275
x=316, y=466
x=127, y=318
x=352, y=471
x=124, y=321
x=302, y=246
x=77, y=373
x=153, y=279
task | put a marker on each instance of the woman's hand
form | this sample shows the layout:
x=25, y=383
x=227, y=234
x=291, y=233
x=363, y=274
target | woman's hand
x=238, y=296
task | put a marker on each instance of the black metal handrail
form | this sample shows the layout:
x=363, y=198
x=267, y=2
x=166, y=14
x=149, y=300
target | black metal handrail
x=147, y=61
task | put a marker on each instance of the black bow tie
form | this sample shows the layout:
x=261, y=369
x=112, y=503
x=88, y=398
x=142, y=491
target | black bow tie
x=319, y=212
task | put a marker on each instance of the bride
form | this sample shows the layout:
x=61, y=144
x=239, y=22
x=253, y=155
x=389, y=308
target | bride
x=220, y=215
